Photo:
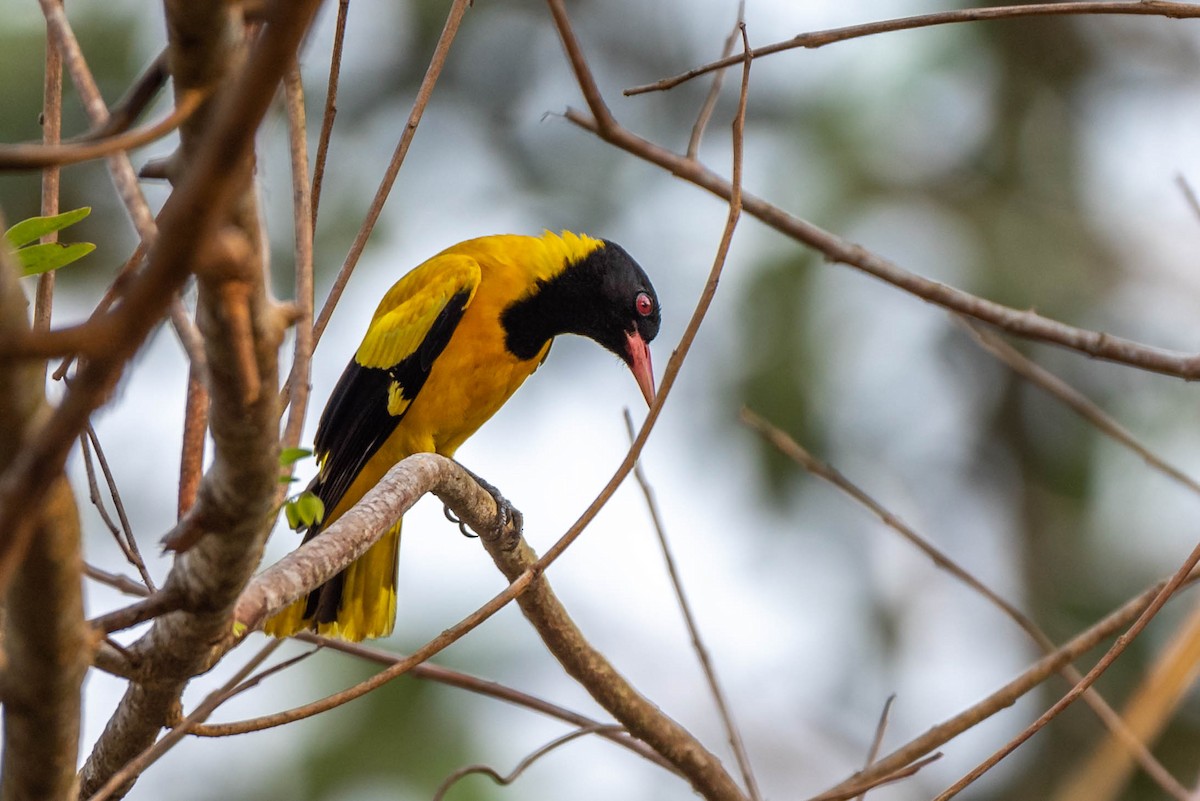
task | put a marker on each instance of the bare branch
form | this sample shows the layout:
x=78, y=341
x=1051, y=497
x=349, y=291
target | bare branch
x=1003, y=698
x=797, y=453
x=331, y=90
x=675, y=364
x=37, y=156
x=424, y=92
x=302, y=215
x=706, y=665
x=1075, y=401
x=505, y=780
x=1158, y=8
x=877, y=742
x=349, y=537
x=714, y=91
x=52, y=90
x=453, y=678
x=133, y=768
x=590, y=668
x=124, y=535
x=1027, y=324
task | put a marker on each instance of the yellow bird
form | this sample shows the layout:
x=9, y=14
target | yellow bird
x=449, y=344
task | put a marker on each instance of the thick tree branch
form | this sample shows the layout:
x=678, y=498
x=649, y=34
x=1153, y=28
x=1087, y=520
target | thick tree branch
x=349, y=537
x=228, y=524
x=611, y=690
x=47, y=647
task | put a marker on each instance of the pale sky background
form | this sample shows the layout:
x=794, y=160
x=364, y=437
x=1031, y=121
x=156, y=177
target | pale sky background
x=780, y=598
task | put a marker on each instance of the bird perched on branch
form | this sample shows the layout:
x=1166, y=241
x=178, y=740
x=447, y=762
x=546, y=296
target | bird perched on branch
x=449, y=344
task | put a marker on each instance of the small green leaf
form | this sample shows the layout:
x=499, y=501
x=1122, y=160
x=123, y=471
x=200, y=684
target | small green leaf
x=35, y=228
x=289, y=456
x=304, y=510
x=286, y=479
x=311, y=508
x=291, y=510
x=38, y=259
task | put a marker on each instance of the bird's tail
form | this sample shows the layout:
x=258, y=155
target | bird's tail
x=357, y=604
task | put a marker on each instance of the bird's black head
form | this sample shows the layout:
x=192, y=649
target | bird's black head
x=604, y=296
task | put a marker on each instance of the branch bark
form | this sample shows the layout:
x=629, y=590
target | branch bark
x=46, y=643
x=611, y=690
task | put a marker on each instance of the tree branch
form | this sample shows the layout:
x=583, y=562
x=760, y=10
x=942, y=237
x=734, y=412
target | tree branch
x=1027, y=324
x=47, y=647
x=1158, y=8
x=210, y=224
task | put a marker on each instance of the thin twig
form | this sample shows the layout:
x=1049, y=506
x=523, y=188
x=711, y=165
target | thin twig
x=675, y=364
x=117, y=582
x=302, y=216
x=820, y=38
x=331, y=91
x=732, y=732
x=37, y=156
x=505, y=780
x=206, y=707
x=1112, y=720
x=877, y=742
x=862, y=787
x=1001, y=699
x=432, y=672
x=52, y=90
x=714, y=91
x=1189, y=194
x=129, y=546
x=399, y=668
x=424, y=93
x=126, y=110
x=120, y=168
x=1074, y=400
x=1110, y=656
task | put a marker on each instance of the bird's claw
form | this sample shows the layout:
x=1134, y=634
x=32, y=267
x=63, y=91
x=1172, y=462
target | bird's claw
x=461, y=525
x=509, y=522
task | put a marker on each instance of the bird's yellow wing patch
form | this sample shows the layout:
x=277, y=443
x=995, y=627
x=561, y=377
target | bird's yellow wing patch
x=411, y=308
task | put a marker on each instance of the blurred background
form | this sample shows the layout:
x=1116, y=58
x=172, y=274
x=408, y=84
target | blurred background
x=1032, y=162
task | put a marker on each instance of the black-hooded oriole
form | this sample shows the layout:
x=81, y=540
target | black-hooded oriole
x=449, y=344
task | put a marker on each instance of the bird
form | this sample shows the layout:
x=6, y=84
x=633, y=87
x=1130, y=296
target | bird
x=449, y=344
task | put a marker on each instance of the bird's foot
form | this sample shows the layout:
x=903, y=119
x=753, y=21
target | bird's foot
x=466, y=532
x=508, y=524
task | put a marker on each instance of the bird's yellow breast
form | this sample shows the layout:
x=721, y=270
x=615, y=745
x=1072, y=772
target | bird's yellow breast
x=476, y=374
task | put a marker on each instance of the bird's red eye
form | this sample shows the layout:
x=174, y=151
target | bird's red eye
x=643, y=304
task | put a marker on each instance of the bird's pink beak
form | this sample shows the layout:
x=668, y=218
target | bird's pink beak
x=639, y=363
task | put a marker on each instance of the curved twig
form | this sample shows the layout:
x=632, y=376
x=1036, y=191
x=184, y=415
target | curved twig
x=1158, y=8
x=505, y=780
x=36, y=156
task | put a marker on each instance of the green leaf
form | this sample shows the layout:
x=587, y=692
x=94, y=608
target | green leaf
x=293, y=514
x=38, y=259
x=311, y=508
x=35, y=228
x=304, y=510
x=289, y=456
